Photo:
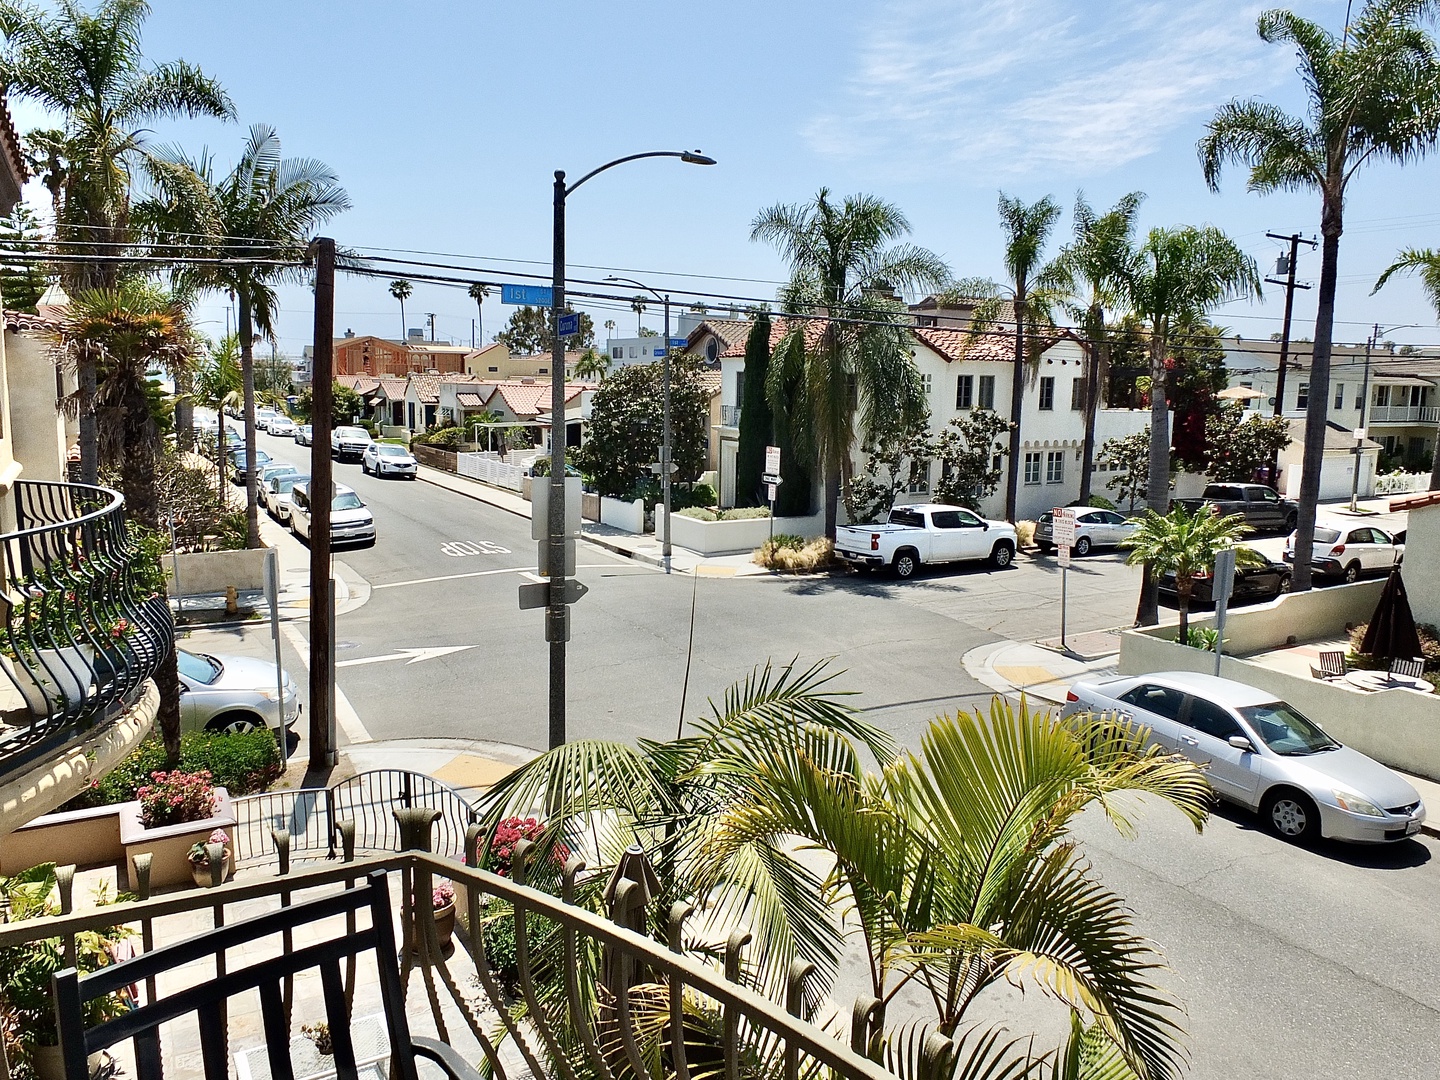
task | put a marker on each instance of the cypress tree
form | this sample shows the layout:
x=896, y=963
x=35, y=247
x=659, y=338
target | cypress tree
x=757, y=425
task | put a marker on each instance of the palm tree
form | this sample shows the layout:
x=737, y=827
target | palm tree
x=266, y=208
x=592, y=364
x=478, y=293
x=1179, y=275
x=609, y=329
x=219, y=385
x=401, y=289
x=1185, y=544
x=1091, y=271
x=89, y=68
x=1371, y=94
x=1427, y=262
x=1030, y=294
x=857, y=357
x=638, y=305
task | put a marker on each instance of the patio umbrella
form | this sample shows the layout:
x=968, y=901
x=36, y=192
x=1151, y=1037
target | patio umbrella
x=1240, y=393
x=1391, y=633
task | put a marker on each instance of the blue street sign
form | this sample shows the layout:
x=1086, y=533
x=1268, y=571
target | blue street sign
x=679, y=342
x=528, y=295
x=570, y=324
x=659, y=352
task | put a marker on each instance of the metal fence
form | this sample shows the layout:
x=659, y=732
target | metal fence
x=492, y=469
x=84, y=622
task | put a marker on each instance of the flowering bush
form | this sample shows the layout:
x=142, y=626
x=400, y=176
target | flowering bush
x=174, y=797
x=443, y=896
x=510, y=832
x=198, y=856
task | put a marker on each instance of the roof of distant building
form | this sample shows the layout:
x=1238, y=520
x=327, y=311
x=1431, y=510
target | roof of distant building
x=18, y=321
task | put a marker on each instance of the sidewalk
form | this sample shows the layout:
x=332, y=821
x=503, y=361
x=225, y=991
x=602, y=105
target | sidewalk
x=645, y=549
x=1040, y=671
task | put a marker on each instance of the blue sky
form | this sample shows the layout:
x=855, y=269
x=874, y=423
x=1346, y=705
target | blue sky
x=445, y=120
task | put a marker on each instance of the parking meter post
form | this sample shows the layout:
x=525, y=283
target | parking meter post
x=1064, y=599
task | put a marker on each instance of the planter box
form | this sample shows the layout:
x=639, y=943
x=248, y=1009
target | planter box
x=619, y=514
x=169, y=846
x=82, y=838
x=205, y=572
x=736, y=537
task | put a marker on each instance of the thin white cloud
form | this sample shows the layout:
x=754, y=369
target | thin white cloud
x=1024, y=86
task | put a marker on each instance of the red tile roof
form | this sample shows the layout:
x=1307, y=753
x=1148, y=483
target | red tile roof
x=1415, y=500
x=528, y=400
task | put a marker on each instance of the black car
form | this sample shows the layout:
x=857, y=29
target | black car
x=1253, y=584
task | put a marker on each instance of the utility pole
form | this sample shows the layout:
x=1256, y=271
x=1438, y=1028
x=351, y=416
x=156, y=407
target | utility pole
x=1288, y=263
x=1360, y=428
x=322, y=586
x=431, y=316
x=557, y=614
x=665, y=441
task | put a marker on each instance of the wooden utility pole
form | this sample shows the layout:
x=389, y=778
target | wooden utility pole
x=1295, y=240
x=322, y=586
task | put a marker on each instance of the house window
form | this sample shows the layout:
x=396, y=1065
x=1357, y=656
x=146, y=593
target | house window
x=1359, y=397
x=1077, y=394
x=1047, y=393
x=740, y=388
x=1382, y=396
x=964, y=391
x=1340, y=395
x=544, y=371
x=1249, y=402
x=618, y=352
x=1302, y=396
x=987, y=392
x=1055, y=467
x=926, y=383
x=632, y=352
x=1032, y=468
x=921, y=486
x=494, y=369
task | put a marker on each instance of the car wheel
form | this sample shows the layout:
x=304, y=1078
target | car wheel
x=1283, y=586
x=1291, y=520
x=906, y=564
x=1291, y=816
x=1045, y=546
x=1002, y=554
x=234, y=723
x=1352, y=573
x=1082, y=546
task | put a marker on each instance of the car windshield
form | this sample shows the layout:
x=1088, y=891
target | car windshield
x=352, y=433
x=1285, y=731
x=392, y=451
x=1326, y=536
x=347, y=500
x=197, y=667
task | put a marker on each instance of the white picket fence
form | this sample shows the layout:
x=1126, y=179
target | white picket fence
x=493, y=469
x=1401, y=483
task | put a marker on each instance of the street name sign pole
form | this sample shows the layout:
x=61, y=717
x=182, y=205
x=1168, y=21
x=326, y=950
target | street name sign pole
x=1062, y=520
x=1222, y=585
x=772, y=481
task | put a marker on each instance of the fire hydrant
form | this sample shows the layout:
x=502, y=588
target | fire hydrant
x=232, y=600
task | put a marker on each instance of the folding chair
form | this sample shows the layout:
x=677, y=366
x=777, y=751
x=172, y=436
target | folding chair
x=1412, y=669
x=1332, y=666
x=208, y=998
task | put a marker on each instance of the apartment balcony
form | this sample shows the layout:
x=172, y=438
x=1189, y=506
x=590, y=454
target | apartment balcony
x=730, y=416
x=85, y=622
x=1403, y=414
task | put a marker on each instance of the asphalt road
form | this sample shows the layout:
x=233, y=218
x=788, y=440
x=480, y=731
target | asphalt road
x=1290, y=962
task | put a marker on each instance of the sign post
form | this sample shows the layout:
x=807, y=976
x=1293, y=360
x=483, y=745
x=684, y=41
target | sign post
x=1221, y=586
x=772, y=481
x=272, y=597
x=1062, y=520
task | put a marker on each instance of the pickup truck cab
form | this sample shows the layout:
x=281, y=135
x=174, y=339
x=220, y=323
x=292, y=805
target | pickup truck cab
x=1262, y=509
x=924, y=534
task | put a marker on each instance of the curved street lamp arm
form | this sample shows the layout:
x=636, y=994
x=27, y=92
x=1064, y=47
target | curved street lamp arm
x=638, y=284
x=692, y=156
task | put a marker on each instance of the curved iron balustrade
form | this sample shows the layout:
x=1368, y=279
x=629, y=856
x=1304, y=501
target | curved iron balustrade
x=80, y=630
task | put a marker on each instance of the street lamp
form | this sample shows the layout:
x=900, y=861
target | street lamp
x=557, y=612
x=665, y=469
x=1370, y=343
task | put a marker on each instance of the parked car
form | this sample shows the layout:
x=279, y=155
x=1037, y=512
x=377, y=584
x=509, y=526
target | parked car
x=275, y=468
x=1262, y=754
x=282, y=426
x=1093, y=529
x=1252, y=584
x=1260, y=506
x=233, y=693
x=350, y=442
x=923, y=534
x=264, y=415
x=350, y=521
x=275, y=494
x=237, y=463
x=1348, y=551
x=304, y=435
x=388, y=459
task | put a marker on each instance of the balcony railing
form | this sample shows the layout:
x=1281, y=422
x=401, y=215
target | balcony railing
x=730, y=416
x=1404, y=414
x=84, y=622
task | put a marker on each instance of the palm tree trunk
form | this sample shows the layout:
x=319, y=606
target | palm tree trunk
x=247, y=371
x=167, y=681
x=1017, y=390
x=1331, y=225
x=1092, y=407
x=1182, y=602
x=184, y=412
x=1157, y=488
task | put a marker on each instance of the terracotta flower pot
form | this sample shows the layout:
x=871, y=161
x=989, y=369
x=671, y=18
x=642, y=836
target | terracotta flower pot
x=200, y=872
x=444, y=927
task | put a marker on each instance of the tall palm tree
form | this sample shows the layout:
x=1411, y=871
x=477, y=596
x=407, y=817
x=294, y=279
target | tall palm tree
x=264, y=209
x=847, y=352
x=1030, y=294
x=1179, y=275
x=89, y=68
x=1373, y=93
x=219, y=385
x=478, y=292
x=638, y=305
x=1427, y=262
x=1091, y=272
x=401, y=289
x=609, y=329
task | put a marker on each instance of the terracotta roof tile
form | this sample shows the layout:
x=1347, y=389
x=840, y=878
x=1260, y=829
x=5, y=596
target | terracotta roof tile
x=18, y=321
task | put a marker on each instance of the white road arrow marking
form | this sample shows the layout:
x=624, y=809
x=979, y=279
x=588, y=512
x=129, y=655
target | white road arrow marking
x=410, y=656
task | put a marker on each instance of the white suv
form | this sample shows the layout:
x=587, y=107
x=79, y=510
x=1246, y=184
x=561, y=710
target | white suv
x=350, y=521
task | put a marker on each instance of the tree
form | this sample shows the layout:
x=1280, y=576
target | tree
x=609, y=329
x=1129, y=457
x=218, y=385
x=1090, y=273
x=592, y=364
x=89, y=68
x=401, y=290
x=626, y=425
x=265, y=209
x=345, y=404
x=638, y=305
x=1373, y=94
x=1238, y=441
x=1427, y=262
x=968, y=449
x=22, y=280
x=1185, y=544
x=853, y=369
x=648, y=332
x=896, y=460
x=757, y=424
x=1195, y=374
x=528, y=331
x=1180, y=274
x=478, y=292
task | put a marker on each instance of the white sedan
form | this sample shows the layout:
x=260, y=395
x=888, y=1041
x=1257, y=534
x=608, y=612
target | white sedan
x=281, y=425
x=388, y=459
x=1093, y=529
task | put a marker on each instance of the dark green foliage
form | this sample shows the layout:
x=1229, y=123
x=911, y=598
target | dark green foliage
x=895, y=461
x=1130, y=458
x=242, y=764
x=968, y=449
x=528, y=331
x=757, y=425
x=443, y=438
x=22, y=283
x=345, y=405
x=1237, y=442
x=626, y=428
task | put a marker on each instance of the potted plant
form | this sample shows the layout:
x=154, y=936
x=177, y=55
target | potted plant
x=169, y=816
x=199, y=857
x=442, y=905
x=319, y=1034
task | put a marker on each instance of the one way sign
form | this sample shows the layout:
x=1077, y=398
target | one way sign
x=537, y=594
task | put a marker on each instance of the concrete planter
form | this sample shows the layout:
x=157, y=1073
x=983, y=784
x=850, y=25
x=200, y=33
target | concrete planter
x=71, y=837
x=736, y=537
x=169, y=846
x=207, y=572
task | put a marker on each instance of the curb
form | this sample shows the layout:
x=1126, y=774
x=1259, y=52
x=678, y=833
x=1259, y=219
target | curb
x=468, y=494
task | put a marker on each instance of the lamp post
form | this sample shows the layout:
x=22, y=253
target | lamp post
x=557, y=612
x=665, y=469
x=1370, y=343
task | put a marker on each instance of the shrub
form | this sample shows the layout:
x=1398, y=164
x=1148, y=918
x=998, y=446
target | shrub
x=781, y=554
x=241, y=763
x=744, y=513
x=498, y=856
x=1100, y=502
x=174, y=797
x=445, y=438
x=1201, y=637
x=1024, y=533
x=699, y=513
x=787, y=540
x=696, y=495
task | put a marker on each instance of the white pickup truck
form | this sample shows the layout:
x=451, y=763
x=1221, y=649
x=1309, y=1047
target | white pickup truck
x=928, y=533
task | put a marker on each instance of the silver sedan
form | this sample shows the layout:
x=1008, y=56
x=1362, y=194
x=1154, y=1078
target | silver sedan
x=233, y=693
x=1263, y=755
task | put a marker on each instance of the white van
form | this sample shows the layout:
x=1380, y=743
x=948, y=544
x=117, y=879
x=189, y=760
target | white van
x=350, y=521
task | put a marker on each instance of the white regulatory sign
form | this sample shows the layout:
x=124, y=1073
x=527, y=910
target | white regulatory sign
x=1064, y=557
x=772, y=460
x=1062, y=524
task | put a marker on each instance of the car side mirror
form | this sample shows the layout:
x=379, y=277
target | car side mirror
x=984, y=526
x=1240, y=742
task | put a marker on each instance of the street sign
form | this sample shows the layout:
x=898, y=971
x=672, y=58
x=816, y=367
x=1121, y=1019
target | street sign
x=657, y=468
x=570, y=324
x=1064, y=560
x=771, y=489
x=660, y=351
x=771, y=478
x=1223, y=583
x=542, y=557
x=540, y=507
x=679, y=342
x=772, y=460
x=527, y=295
x=1359, y=434
x=537, y=594
x=1062, y=524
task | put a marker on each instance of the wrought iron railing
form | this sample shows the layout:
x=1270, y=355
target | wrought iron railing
x=83, y=625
